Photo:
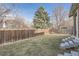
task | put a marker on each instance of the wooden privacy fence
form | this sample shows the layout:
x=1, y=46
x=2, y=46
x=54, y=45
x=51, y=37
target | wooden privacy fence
x=14, y=34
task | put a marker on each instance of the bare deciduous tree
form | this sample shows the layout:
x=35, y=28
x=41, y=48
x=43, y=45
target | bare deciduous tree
x=20, y=22
x=3, y=12
x=59, y=15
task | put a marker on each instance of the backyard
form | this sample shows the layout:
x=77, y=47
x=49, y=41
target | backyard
x=44, y=45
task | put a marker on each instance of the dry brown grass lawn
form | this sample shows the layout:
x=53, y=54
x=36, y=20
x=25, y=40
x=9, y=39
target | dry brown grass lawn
x=45, y=45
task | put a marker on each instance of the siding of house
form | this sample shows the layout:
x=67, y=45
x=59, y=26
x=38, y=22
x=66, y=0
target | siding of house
x=77, y=23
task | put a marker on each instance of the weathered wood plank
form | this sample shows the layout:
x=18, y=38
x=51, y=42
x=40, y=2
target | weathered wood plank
x=7, y=35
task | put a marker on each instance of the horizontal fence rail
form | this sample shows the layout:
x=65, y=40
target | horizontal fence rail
x=10, y=35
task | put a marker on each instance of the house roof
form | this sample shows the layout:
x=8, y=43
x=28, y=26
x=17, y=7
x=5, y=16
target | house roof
x=74, y=7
